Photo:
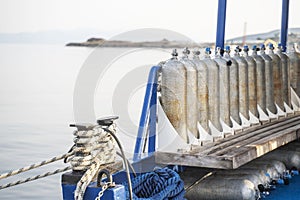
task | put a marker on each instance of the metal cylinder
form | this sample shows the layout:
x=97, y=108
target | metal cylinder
x=243, y=83
x=279, y=165
x=173, y=94
x=213, y=90
x=289, y=157
x=225, y=189
x=234, y=86
x=261, y=79
x=268, y=168
x=270, y=103
x=285, y=66
x=224, y=88
x=277, y=77
x=191, y=93
x=202, y=80
x=295, y=70
x=252, y=82
x=256, y=180
x=263, y=178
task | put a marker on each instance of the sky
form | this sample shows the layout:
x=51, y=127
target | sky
x=196, y=19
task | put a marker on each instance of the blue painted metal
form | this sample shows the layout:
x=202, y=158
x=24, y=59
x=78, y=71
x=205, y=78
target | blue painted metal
x=152, y=117
x=221, y=24
x=92, y=191
x=147, y=126
x=114, y=193
x=284, y=23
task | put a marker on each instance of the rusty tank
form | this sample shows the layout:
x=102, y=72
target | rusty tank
x=202, y=92
x=173, y=94
x=191, y=93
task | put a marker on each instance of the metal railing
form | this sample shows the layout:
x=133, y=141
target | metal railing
x=147, y=125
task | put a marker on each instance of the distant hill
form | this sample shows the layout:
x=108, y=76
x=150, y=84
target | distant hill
x=274, y=35
x=164, y=43
x=49, y=37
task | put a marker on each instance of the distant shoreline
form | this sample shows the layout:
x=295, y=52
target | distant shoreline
x=99, y=42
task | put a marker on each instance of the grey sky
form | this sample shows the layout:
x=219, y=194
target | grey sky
x=194, y=18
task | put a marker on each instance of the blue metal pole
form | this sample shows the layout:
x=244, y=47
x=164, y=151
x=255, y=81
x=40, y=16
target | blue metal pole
x=221, y=24
x=284, y=23
x=149, y=107
x=152, y=118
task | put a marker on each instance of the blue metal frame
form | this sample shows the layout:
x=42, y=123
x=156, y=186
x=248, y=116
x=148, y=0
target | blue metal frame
x=147, y=126
x=221, y=24
x=222, y=20
x=284, y=23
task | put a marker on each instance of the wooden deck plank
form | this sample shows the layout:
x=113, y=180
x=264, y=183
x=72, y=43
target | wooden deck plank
x=193, y=160
x=237, y=150
x=257, y=137
x=234, y=139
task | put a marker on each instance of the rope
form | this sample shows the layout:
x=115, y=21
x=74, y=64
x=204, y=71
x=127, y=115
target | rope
x=86, y=179
x=90, y=144
x=124, y=160
x=34, y=178
x=93, y=148
x=160, y=184
x=33, y=166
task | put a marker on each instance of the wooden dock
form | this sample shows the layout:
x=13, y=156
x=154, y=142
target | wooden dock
x=236, y=150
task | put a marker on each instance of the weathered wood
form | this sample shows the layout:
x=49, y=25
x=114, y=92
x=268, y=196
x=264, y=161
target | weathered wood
x=268, y=134
x=232, y=140
x=193, y=160
x=236, y=150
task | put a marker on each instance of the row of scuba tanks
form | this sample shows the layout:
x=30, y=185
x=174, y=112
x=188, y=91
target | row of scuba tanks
x=254, y=180
x=210, y=97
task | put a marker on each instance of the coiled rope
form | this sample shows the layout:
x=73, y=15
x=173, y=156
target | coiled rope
x=94, y=148
x=160, y=184
x=91, y=144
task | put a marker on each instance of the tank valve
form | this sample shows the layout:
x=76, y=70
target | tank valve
x=246, y=48
x=207, y=51
x=237, y=49
x=196, y=52
x=174, y=53
x=254, y=48
x=271, y=46
x=186, y=52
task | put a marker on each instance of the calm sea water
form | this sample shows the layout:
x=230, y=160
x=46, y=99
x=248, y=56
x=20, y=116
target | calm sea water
x=36, y=108
x=36, y=88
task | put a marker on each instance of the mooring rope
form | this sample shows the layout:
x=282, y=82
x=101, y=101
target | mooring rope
x=93, y=148
x=86, y=179
x=36, y=165
x=90, y=144
x=101, y=150
x=35, y=178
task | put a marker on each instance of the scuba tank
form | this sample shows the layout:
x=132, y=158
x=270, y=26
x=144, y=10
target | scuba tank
x=191, y=93
x=173, y=94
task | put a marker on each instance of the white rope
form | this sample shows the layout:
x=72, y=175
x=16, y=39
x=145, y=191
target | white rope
x=90, y=144
x=94, y=148
x=36, y=165
x=86, y=179
x=34, y=178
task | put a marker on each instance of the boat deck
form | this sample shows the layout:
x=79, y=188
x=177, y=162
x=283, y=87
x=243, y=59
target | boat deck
x=239, y=149
x=287, y=192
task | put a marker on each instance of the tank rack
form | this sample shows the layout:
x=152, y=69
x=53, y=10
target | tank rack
x=236, y=150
